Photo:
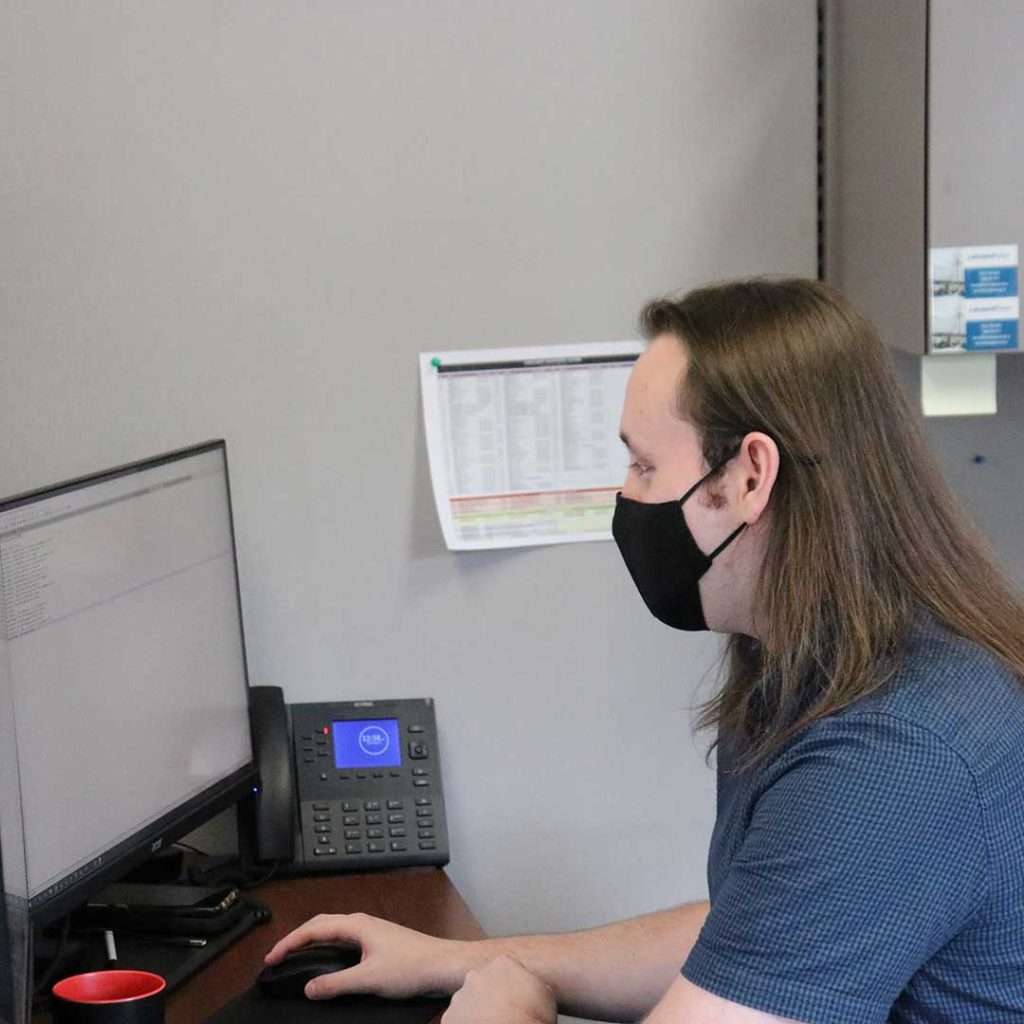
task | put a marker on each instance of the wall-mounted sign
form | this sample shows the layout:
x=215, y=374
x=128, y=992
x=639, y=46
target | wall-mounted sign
x=975, y=299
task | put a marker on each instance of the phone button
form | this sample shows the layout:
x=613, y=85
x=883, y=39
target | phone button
x=321, y=807
x=371, y=805
x=396, y=819
x=423, y=801
x=426, y=835
x=353, y=847
x=349, y=806
x=350, y=819
x=321, y=817
x=427, y=844
x=321, y=828
x=329, y=852
x=399, y=847
x=394, y=805
x=424, y=812
x=420, y=771
x=352, y=833
x=418, y=750
x=396, y=833
x=360, y=775
x=375, y=847
x=425, y=823
x=374, y=819
x=415, y=728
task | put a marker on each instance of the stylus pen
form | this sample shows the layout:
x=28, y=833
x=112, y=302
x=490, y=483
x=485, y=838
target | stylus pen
x=108, y=938
x=183, y=940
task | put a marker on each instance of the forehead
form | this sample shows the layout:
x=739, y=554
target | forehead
x=652, y=394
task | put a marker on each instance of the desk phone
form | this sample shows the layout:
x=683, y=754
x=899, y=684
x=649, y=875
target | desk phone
x=347, y=785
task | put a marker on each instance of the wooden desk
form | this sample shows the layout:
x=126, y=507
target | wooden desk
x=420, y=898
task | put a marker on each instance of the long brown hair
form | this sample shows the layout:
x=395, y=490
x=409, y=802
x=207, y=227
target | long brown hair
x=863, y=527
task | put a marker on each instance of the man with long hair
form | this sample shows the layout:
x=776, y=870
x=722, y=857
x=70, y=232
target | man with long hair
x=867, y=861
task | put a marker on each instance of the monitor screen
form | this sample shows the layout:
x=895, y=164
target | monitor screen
x=121, y=647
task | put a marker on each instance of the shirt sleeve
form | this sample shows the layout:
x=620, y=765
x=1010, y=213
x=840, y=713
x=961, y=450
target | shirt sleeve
x=864, y=853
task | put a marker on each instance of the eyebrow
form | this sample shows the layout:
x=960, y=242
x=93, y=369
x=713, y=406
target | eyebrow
x=632, y=445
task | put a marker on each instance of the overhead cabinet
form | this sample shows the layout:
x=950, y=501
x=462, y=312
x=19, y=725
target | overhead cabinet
x=924, y=168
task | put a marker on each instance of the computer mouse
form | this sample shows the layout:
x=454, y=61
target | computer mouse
x=287, y=979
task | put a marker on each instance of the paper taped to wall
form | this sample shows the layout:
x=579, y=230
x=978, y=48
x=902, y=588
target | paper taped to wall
x=524, y=443
x=958, y=387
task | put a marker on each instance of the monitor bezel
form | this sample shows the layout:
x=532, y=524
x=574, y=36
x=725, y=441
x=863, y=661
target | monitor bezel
x=113, y=864
x=7, y=999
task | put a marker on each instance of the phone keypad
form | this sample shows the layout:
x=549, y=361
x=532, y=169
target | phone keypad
x=363, y=823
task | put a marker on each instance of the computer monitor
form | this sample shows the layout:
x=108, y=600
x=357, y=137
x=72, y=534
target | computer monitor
x=122, y=650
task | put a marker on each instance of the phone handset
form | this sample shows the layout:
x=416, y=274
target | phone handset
x=275, y=805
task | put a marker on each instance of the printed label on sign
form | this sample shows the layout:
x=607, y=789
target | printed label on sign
x=975, y=299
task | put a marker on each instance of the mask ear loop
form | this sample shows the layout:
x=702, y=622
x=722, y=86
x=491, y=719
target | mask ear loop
x=714, y=469
x=728, y=540
x=711, y=472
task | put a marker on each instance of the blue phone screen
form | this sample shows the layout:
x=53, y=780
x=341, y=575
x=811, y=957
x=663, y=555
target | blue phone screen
x=367, y=743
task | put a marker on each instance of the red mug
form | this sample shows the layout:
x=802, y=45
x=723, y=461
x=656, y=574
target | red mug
x=110, y=997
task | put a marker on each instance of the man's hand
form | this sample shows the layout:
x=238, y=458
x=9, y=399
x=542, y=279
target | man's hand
x=503, y=992
x=618, y=972
x=397, y=962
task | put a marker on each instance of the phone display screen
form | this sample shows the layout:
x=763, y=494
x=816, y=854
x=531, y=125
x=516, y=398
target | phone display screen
x=367, y=743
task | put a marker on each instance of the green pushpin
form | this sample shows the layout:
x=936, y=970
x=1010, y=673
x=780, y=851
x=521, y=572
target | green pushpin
x=436, y=363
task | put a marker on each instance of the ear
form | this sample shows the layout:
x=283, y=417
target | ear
x=756, y=468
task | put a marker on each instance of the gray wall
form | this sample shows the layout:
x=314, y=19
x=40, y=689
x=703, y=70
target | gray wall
x=981, y=456
x=245, y=219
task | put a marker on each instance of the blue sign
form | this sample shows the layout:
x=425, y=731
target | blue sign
x=367, y=743
x=991, y=335
x=990, y=282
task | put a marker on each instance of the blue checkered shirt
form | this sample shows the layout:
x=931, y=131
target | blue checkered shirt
x=873, y=869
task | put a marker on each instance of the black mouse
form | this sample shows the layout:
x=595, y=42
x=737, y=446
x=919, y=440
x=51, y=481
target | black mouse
x=287, y=979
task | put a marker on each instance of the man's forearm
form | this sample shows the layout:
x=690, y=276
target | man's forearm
x=615, y=973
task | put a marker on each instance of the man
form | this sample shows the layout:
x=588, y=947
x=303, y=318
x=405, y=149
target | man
x=867, y=862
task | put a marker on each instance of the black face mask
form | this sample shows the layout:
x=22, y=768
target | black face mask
x=663, y=558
